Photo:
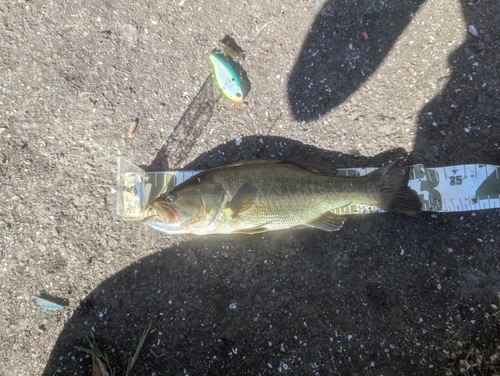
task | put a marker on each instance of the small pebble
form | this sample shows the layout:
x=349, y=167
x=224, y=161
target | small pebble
x=132, y=128
x=473, y=31
x=481, y=97
x=233, y=306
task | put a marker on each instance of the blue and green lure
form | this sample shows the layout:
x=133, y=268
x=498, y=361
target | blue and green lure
x=227, y=78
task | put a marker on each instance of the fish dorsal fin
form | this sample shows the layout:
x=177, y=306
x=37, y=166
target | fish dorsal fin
x=327, y=222
x=243, y=198
x=315, y=164
x=251, y=230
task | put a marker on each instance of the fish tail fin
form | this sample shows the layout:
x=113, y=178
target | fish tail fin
x=395, y=194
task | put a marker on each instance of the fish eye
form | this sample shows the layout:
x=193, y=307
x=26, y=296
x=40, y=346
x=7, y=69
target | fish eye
x=171, y=196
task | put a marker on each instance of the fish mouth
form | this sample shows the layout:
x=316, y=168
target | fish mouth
x=158, y=224
x=167, y=213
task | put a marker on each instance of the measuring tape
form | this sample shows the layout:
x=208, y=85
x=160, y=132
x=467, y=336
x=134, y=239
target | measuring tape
x=447, y=189
x=457, y=188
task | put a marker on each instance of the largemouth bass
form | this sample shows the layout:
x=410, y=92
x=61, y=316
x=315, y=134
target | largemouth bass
x=259, y=196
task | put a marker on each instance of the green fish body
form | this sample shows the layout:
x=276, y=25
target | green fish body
x=254, y=197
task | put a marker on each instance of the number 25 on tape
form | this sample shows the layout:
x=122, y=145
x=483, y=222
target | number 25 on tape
x=456, y=180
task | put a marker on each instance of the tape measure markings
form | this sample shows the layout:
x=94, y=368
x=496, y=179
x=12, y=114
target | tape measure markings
x=440, y=189
x=457, y=191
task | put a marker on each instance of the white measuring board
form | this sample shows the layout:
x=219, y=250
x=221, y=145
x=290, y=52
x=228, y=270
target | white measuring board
x=447, y=189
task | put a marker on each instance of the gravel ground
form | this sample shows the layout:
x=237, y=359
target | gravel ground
x=356, y=83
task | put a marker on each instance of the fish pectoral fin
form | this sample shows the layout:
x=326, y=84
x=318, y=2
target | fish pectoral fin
x=251, y=230
x=243, y=199
x=327, y=222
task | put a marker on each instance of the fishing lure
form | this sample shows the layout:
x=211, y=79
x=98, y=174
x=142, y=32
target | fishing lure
x=227, y=78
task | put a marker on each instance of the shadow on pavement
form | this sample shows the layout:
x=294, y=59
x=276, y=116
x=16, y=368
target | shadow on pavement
x=304, y=301
x=459, y=126
x=347, y=42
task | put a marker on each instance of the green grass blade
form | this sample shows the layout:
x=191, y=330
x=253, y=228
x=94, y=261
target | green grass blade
x=95, y=351
x=88, y=351
x=132, y=361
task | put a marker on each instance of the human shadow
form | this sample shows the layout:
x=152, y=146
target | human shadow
x=301, y=301
x=459, y=125
x=345, y=44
